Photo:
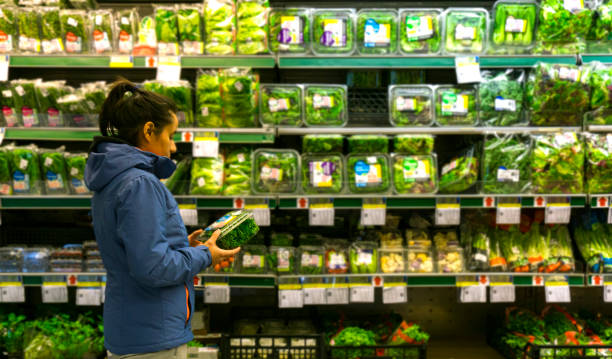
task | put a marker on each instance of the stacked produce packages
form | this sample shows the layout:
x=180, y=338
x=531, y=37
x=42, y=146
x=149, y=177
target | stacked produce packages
x=275, y=171
x=411, y=105
x=206, y=176
x=563, y=27
x=103, y=37
x=415, y=166
x=557, y=163
x=75, y=166
x=252, y=32
x=95, y=94
x=322, y=173
x=190, y=28
x=180, y=93
x=593, y=239
x=322, y=144
x=599, y=39
x=167, y=30
x=125, y=30
x=8, y=29
x=601, y=100
x=54, y=171
x=333, y=31
x=377, y=31
x=146, y=42
x=506, y=164
x=75, y=31
x=500, y=98
x=326, y=105
x=238, y=169
x=420, y=31
x=513, y=27
x=466, y=30
x=413, y=145
x=239, y=97
x=456, y=106
x=368, y=173
x=599, y=162
x=28, y=20
x=289, y=31
x=220, y=25
x=73, y=110
x=280, y=105
x=51, y=30
x=208, y=100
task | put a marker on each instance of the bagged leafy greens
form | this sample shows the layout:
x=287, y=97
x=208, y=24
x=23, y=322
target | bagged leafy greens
x=413, y=144
x=368, y=173
x=601, y=87
x=75, y=30
x=28, y=20
x=460, y=173
x=599, y=157
x=500, y=98
x=289, y=30
x=456, y=106
x=8, y=29
x=240, y=88
x=275, y=171
x=166, y=28
x=10, y=116
x=178, y=182
x=190, y=28
x=326, y=105
x=206, y=176
x=146, y=41
x=103, y=36
x=220, y=25
x=73, y=110
x=420, y=31
x=561, y=29
x=5, y=172
x=180, y=93
x=95, y=94
x=51, y=30
x=322, y=143
x=322, y=173
x=125, y=30
x=363, y=257
x=280, y=105
x=252, y=32
x=465, y=30
x=377, y=31
x=558, y=95
x=54, y=171
x=208, y=100
x=75, y=166
x=506, y=164
x=238, y=169
x=411, y=105
x=333, y=31
x=368, y=144
x=513, y=26
x=599, y=39
x=25, y=102
x=25, y=169
x=557, y=163
x=415, y=174
x=311, y=259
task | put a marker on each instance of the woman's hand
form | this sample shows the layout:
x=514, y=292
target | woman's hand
x=193, y=238
x=221, y=258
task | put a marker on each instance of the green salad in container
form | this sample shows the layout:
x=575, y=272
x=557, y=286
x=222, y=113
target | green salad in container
x=368, y=144
x=206, y=176
x=368, y=173
x=190, y=29
x=166, y=29
x=322, y=143
x=377, y=31
x=9, y=34
x=456, y=106
x=465, y=30
x=557, y=163
x=513, y=26
x=75, y=31
x=51, y=30
x=413, y=145
x=25, y=170
x=275, y=171
x=220, y=27
x=237, y=228
x=411, y=105
x=326, y=105
x=252, y=259
x=601, y=87
x=280, y=105
x=252, y=33
x=102, y=36
x=506, y=164
x=363, y=257
x=460, y=173
x=420, y=31
x=333, y=31
x=599, y=162
x=289, y=30
x=28, y=21
x=322, y=173
x=311, y=259
x=500, y=98
x=54, y=172
x=599, y=39
x=238, y=169
x=563, y=27
x=415, y=174
x=208, y=100
x=282, y=260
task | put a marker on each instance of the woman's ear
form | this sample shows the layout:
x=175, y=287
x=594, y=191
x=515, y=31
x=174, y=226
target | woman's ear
x=147, y=131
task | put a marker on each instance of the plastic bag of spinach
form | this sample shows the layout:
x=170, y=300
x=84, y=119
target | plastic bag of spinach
x=10, y=117
x=25, y=169
x=178, y=182
x=558, y=95
x=513, y=26
x=322, y=173
x=465, y=30
x=368, y=144
x=238, y=169
x=420, y=31
x=557, y=163
x=456, y=106
x=500, y=98
x=220, y=20
x=376, y=31
x=26, y=104
x=8, y=29
x=5, y=172
x=562, y=29
x=54, y=171
x=125, y=30
x=415, y=174
x=411, y=105
x=599, y=157
x=180, y=93
x=190, y=29
x=75, y=30
x=289, y=30
x=206, y=176
x=240, y=88
x=166, y=28
x=506, y=165
x=280, y=105
x=102, y=34
x=413, y=144
x=252, y=33
x=333, y=31
x=322, y=143
x=599, y=39
x=75, y=167
x=275, y=171
x=326, y=105
x=368, y=173
x=51, y=30
x=460, y=173
x=28, y=20
x=208, y=100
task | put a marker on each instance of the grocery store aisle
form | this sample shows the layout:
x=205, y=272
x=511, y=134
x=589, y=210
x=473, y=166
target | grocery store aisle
x=461, y=348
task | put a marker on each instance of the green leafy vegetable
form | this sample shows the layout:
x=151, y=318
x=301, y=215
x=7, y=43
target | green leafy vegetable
x=411, y=105
x=28, y=21
x=501, y=98
x=253, y=259
x=333, y=32
x=322, y=143
x=376, y=32
x=420, y=31
x=54, y=171
x=220, y=25
x=180, y=93
x=26, y=104
x=352, y=337
x=74, y=30
x=275, y=171
x=178, y=182
x=557, y=163
x=47, y=94
x=289, y=30
x=311, y=259
x=466, y=30
x=239, y=88
x=281, y=259
x=208, y=100
x=51, y=31
x=561, y=30
x=238, y=169
x=506, y=164
x=592, y=237
x=237, y=228
x=73, y=109
x=126, y=21
x=413, y=144
x=513, y=27
x=415, y=174
x=363, y=257
x=601, y=86
x=103, y=39
x=10, y=116
x=75, y=167
x=599, y=162
x=8, y=29
x=600, y=33
x=281, y=105
x=323, y=173
x=252, y=34
x=206, y=176
x=368, y=144
x=25, y=169
x=326, y=105
x=190, y=28
x=460, y=173
x=456, y=106
x=368, y=173
x=166, y=28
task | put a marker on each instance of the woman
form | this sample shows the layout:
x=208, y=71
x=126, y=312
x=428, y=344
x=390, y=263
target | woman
x=149, y=258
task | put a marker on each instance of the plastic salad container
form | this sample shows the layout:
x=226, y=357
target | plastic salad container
x=363, y=257
x=456, y=106
x=275, y=171
x=392, y=260
x=411, y=105
x=36, y=259
x=289, y=31
x=280, y=105
x=322, y=143
x=336, y=257
x=465, y=30
x=326, y=105
x=450, y=259
x=322, y=173
x=513, y=27
x=413, y=144
x=368, y=173
x=333, y=32
x=311, y=260
x=282, y=259
x=237, y=228
x=368, y=144
x=420, y=259
x=420, y=31
x=415, y=174
x=376, y=31
x=253, y=259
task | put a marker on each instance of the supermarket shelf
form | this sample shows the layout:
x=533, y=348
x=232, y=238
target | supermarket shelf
x=598, y=280
x=239, y=280
x=421, y=130
x=606, y=59
x=230, y=135
x=599, y=128
x=225, y=202
x=71, y=278
x=45, y=202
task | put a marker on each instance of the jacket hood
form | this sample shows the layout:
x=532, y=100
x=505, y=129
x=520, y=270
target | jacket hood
x=109, y=157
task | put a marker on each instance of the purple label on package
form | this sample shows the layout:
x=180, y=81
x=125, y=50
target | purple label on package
x=284, y=36
x=327, y=167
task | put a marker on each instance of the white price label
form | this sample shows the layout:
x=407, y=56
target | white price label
x=12, y=294
x=121, y=61
x=337, y=295
x=54, y=294
x=89, y=296
x=508, y=214
x=315, y=296
x=395, y=294
x=468, y=69
x=321, y=216
x=169, y=68
x=448, y=215
x=5, y=60
x=609, y=215
x=557, y=213
x=607, y=293
x=206, y=147
x=217, y=294
x=572, y=5
x=473, y=294
x=293, y=298
x=502, y=104
x=373, y=215
x=189, y=215
x=261, y=216
x=558, y=294
x=503, y=294
x=362, y=294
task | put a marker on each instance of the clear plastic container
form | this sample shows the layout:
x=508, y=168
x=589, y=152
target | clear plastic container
x=281, y=239
x=326, y=105
x=36, y=259
x=322, y=144
x=456, y=106
x=322, y=173
x=11, y=259
x=237, y=228
x=368, y=144
x=377, y=31
x=333, y=32
x=465, y=30
x=513, y=28
x=363, y=257
x=413, y=145
x=390, y=238
x=415, y=174
x=444, y=238
x=392, y=260
x=368, y=173
x=289, y=31
x=311, y=260
x=275, y=171
x=253, y=259
x=411, y=105
x=336, y=257
x=450, y=259
x=420, y=260
x=94, y=265
x=417, y=237
x=282, y=259
x=420, y=31
x=280, y=105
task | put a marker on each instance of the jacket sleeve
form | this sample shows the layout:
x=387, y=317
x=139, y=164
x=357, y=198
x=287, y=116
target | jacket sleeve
x=141, y=220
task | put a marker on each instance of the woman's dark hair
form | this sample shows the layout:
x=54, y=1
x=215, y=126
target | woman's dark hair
x=127, y=109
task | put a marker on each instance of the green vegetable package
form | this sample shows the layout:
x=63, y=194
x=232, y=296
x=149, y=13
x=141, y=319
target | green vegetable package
x=239, y=89
x=252, y=259
x=311, y=259
x=5, y=172
x=275, y=171
x=415, y=174
x=73, y=110
x=54, y=171
x=102, y=35
x=601, y=100
x=368, y=144
x=500, y=98
x=75, y=167
x=178, y=182
x=413, y=145
x=28, y=20
x=460, y=173
x=465, y=30
x=376, y=31
x=206, y=176
x=238, y=168
x=125, y=30
x=10, y=116
x=353, y=337
x=220, y=25
x=280, y=105
x=368, y=173
x=95, y=94
x=190, y=27
x=289, y=31
x=322, y=143
x=8, y=29
x=561, y=29
x=557, y=163
x=513, y=27
x=599, y=157
x=326, y=105
x=506, y=164
x=252, y=33
x=282, y=259
x=237, y=228
x=51, y=30
x=25, y=170
x=166, y=28
x=333, y=31
x=146, y=42
x=75, y=30
x=26, y=104
x=180, y=93
x=411, y=105
x=208, y=100
x=420, y=31
x=456, y=106
x=600, y=34
x=322, y=173
x=363, y=257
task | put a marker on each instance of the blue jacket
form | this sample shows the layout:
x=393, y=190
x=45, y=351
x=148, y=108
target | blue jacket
x=145, y=249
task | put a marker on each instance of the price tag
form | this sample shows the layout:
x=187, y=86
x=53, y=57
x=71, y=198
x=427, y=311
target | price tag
x=217, y=294
x=89, y=296
x=610, y=215
x=373, y=215
x=169, y=68
x=395, y=294
x=12, y=293
x=5, y=60
x=362, y=294
x=206, y=146
x=290, y=298
x=121, y=61
x=315, y=296
x=448, y=214
x=321, y=214
x=261, y=214
x=2, y=133
x=337, y=295
x=54, y=293
x=607, y=293
x=189, y=213
x=503, y=294
x=558, y=293
x=468, y=69
x=557, y=213
x=508, y=213
x=473, y=294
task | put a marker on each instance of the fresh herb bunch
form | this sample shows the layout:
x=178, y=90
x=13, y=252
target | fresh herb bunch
x=281, y=105
x=241, y=234
x=601, y=87
x=559, y=25
x=239, y=88
x=178, y=182
x=206, y=176
x=238, y=169
x=208, y=100
x=25, y=169
x=28, y=21
x=363, y=257
x=460, y=173
x=54, y=171
x=275, y=171
x=281, y=34
x=557, y=164
x=126, y=30
x=599, y=157
x=220, y=20
x=514, y=27
x=326, y=105
x=281, y=259
x=311, y=259
x=456, y=106
x=413, y=145
x=253, y=259
x=368, y=144
x=415, y=174
x=166, y=24
x=51, y=31
x=416, y=37
x=411, y=105
x=500, y=96
x=322, y=173
x=353, y=337
x=322, y=143
x=74, y=29
x=368, y=173
x=252, y=34
x=24, y=99
x=558, y=95
x=180, y=93
x=371, y=23
x=506, y=164
x=466, y=31
x=333, y=32
x=75, y=167
x=8, y=28
x=103, y=40
x=600, y=33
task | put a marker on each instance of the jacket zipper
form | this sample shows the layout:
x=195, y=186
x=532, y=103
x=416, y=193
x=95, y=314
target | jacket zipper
x=187, y=303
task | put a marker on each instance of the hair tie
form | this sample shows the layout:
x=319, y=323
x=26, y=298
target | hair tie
x=127, y=94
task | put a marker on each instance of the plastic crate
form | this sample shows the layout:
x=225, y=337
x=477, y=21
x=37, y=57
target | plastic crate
x=533, y=351
x=408, y=351
x=266, y=346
